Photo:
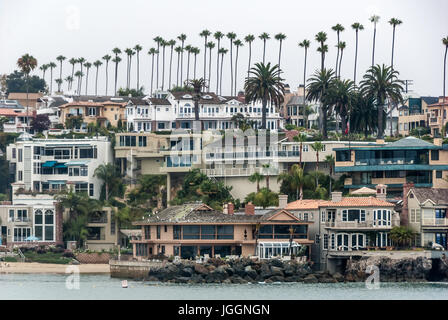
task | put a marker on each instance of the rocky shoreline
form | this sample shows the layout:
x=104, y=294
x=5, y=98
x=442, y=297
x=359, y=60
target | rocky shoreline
x=245, y=270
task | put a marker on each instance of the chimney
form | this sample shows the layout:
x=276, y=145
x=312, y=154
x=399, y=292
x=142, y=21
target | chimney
x=404, y=218
x=282, y=201
x=230, y=208
x=336, y=196
x=249, y=209
x=300, y=90
x=225, y=208
x=381, y=192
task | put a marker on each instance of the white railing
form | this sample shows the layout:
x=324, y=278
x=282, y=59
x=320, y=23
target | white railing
x=237, y=172
x=435, y=222
x=354, y=224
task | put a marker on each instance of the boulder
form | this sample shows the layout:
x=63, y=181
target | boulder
x=200, y=269
x=310, y=279
x=186, y=272
x=277, y=271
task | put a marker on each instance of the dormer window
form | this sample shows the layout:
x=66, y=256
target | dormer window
x=187, y=96
x=207, y=97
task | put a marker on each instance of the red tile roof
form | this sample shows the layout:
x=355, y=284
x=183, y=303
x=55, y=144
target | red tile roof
x=345, y=202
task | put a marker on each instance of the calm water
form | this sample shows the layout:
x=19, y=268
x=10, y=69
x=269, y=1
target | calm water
x=52, y=286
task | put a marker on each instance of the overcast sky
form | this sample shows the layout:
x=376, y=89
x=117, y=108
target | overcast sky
x=91, y=28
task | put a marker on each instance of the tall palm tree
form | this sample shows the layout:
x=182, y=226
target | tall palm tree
x=445, y=43
x=231, y=36
x=107, y=58
x=238, y=43
x=116, y=60
x=295, y=177
x=304, y=44
x=280, y=37
x=26, y=64
x=182, y=39
x=158, y=40
x=164, y=44
x=342, y=45
x=137, y=50
x=60, y=58
x=357, y=27
x=88, y=65
x=210, y=46
x=72, y=61
x=266, y=168
x=81, y=64
x=364, y=114
x=317, y=147
x=321, y=37
x=97, y=65
x=338, y=29
x=264, y=36
x=205, y=34
x=374, y=19
x=329, y=159
x=197, y=85
x=51, y=65
x=266, y=85
x=107, y=173
x=223, y=52
x=171, y=43
x=249, y=39
x=394, y=22
x=79, y=75
x=256, y=177
x=218, y=35
x=44, y=69
x=129, y=53
x=301, y=138
x=59, y=83
x=340, y=96
x=178, y=51
x=152, y=52
x=318, y=90
x=195, y=51
x=381, y=82
x=69, y=80
x=188, y=49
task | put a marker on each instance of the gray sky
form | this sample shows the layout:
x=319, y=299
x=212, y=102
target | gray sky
x=91, y=28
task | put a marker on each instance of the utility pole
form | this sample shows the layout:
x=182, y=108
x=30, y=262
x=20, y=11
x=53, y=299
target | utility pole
x=407, y=84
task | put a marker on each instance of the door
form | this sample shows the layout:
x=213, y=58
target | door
x=441, y=238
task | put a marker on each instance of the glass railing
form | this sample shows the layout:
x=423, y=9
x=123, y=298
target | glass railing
x=239, y=155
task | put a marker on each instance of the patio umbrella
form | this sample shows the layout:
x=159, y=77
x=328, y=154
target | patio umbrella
x=32, y=238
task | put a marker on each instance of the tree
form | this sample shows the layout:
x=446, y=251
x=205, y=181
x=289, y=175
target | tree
x=205, y=34
x=171, y=44
x=44, y=69
x=231, y=36
x=445, y=43
x=178, y=51
x=72, y=61
x=27, y=63
x=342, y=45
x=76, y=229
x=256, y=177
x=116, y=60
x=51, y=65
x=60, y=58
x=164, y=44
x=182, y=39
x=305, y=44
x=266, y=85
x=133, y=92
x=266, y=198
x=357, y=27
x=223, y=52
x=329, y=159
x=129, y=52
x=210, y=45
x=381, y=82
x=364, y=114
x=264, y=36
x=318, y=90
x=195, y=51
x=159, y=41
x=280, y=37
x=149, y=192
x=317, y=147
x=338, y=29
x=321, y=37
x=340, y=95
x=301, y=138
x=266, y=167
x=88, y=65
x=249, y=39
x=197, y=85
x=79, y=75
x=402, y=236
x=137, y=50
x=218, y=35
x=108, y=173
x=3, y=120
x=394, y=23
x=238, y=43
x=97, y=65
x=295, y=179
x=19, y=82
x=107, y=58
x=188, y=49
x=81, y=63
x=374, y=19
x=152, y=52
x=69, y=81
x=40, y=123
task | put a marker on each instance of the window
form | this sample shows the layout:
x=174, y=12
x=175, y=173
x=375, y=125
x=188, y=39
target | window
x=382, y=218
x=11, y=215
x=354, y=215
x=142, y=141
x=439, y=174
x=177, y=232
x=166, y=228
x=191, y=232
x=158, y=232
x=20, y=155
x=147, y=232
x=82, y=187
x=20, y=175
x=224, y=232
x=317, y=239
x=343, y=156
x=333, y=238
x=435, y=155
x=91, y=190
x=13, y=153
x=325, y=241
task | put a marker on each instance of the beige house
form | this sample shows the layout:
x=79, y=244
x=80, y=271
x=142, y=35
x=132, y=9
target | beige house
x=32, y=101
x=438, y=116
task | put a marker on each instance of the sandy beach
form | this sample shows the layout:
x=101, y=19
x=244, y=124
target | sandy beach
x=18, y=267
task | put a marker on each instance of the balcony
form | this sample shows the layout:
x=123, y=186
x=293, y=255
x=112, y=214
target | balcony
x=437, y=222
x=237, y=172
x=351, y=225
x=97, y=219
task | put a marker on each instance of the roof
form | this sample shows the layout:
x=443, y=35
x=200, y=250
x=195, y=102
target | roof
x=157, y=101
x=11, y=113
x=345, y=202
x=364, y=190
x=430, y=100
x=131, y=232
x=295, y=100
x=214, y=99
x=438, y=196
x=93, y=104
x=410, y=142
x=23, y=95
x=403, y=144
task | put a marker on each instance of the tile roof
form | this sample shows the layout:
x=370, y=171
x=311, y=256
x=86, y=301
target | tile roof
x=22, y=96
x=345, y=202
x=295, y=100
x=93, y=104
x=160, y=102
x=410, y=142
x=178, y=95
x=439, y=196
x=11, y=113
x=430, y=100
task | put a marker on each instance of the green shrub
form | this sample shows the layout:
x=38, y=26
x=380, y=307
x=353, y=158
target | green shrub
x=10, y=259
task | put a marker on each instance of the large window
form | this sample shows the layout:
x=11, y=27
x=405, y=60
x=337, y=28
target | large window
x=282, y=231
x=128, y=141
x=382, y=218
x=205, y=232
x=354, y=215
x=44, y=225
x=21, y=234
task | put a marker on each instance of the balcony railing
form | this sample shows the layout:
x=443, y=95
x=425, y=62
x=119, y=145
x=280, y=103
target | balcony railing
x=237, y=172
x=255, y=155
x=355, y=224
x=97, y=220
x=96, y=237
x=435, y=222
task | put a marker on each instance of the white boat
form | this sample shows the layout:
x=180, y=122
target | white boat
x=124, y=283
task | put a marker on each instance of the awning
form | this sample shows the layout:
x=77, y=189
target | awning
x=49, y=164
x=56, y=181
x=77, y=163
x=60, y=165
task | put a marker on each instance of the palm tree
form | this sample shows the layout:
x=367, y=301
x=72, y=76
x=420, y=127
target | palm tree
x=231, y=36
x=164, y=44
x=264, y=36
x=88, y=65
x=381, y=82
x=81, y=63
x=152, y=52
x=342, y=45
x=340, y=96
x=137, y=50
x=210, y=46
x=394, y=23
x=301, y=138
x=402, y=236
x=178, y=51
x=329, y=159
x=59, y=83
x=318, y=90
x=295, y=178
x=304, y=44
x=60, y=58
x=97, y=65
x=364, y=114
x=79, y=75
x=357, y=27
x=182, y=39
x=249, y=39
x=266, y=168
x=321, y=37
x=266, y=85
x=307, y=111
x=129, y=53
x=26, y=64
x=280, y=37
x=197, y=85
x=218, y=35
x=69, y=80
x=445, y=43
x=223, y=52
x=317, y=147
x=116, y=60
x=158, y=40
x=374, y=19
x=205, y=34
x=44, y=69
x=256, y=177
x=188, y=49
x=107, y=173
x=338, y=29
x=51, y=65
x=72, y=61
x=195, y=51
x=107, y=58
x=171, y=43
x=238, y=44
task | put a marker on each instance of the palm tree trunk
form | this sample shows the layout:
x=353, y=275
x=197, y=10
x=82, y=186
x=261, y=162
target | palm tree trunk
x=380, y=120
x=340, y=64
x=163, y=67
x=263, y=114
x=152, y=73
x=209, y=69
x=444, y=74
x=107, y=76
x=337, y=58
x=51, y=80
x=138, y=71
x=304, y=89
x=194, y=67
x=171, y=64
x=236, y=69
x=220, y=77
x=393, y=46
x=267, y=181
x=116, y=77
x=188, y=67
x=96, y=81
x=217, y=66
x=178, y=66
x=87, y=80
x=373, y=51
x=300, y=155
x=157, y=74
x=60, y=77
x=27, y=101
x=73, y=72
x=231, y=67
x=127, y=71
x=250, y=58
x=205, y=58
x=317, y=168
x=356, y=58
x=264, y=50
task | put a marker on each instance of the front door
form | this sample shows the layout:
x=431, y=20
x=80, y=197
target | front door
x=441, y=238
